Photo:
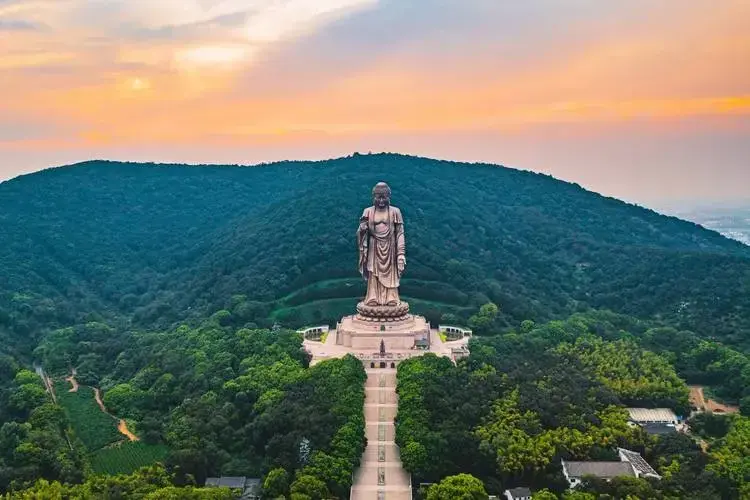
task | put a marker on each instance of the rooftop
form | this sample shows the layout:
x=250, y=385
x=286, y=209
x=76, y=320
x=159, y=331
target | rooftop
x=652, y=415
x=604, y=470
x=235, y=482
x=638, y=462
x=226, y=482
x=658, y=428
x=520, y=492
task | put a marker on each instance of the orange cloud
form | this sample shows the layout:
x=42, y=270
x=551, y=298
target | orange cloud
x=182, y=90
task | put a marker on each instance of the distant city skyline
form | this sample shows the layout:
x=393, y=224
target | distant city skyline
x=645, y=101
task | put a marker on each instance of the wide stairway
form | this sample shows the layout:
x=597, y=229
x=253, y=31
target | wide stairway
x=380, y=475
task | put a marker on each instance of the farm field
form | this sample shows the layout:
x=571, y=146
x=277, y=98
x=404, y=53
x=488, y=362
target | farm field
x=95, y=428
x=126, y=457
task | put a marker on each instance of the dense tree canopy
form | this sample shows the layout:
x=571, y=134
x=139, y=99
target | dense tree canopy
x=226, y=401
x=458, y=487
x=152, y=483
x=523, y=401
x=172, y=288
x=149, y=245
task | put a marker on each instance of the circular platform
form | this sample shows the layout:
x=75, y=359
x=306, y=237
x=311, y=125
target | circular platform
x=399, y=312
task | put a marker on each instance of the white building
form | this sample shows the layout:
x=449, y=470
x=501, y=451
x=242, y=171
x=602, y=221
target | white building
x=454, y=332
x=314, y=332
x=520, y=493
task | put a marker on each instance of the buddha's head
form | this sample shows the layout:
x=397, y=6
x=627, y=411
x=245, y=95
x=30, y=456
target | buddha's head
x=381, y=195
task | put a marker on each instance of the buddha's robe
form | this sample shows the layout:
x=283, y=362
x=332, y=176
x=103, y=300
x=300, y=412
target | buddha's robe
x=379, y=248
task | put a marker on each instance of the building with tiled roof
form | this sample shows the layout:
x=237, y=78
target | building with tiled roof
x=631, y=464
x=574, y=472
x=652, y=415
x=250, y=488
x=520, y=493
x=642, y=468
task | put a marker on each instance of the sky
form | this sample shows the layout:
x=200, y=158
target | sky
x=644, y=100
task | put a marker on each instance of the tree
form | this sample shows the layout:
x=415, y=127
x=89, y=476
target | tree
x=483, y=321
x=731, y=459
x=27, y=397
x=48, y=414
x=414, y=456
x=276, y=483
x=310, y=486
x=745, y=406
x=336, y=472
x=123, y=399
x=710, y=425
x=458, y=487
x=514, y=437
x=544, y=494
x=449, y=319
x=637, y=376
x=191, y=493
x=580, y=495
x=621, y=487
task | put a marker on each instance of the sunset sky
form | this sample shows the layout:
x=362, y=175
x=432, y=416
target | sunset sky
x=646, y=100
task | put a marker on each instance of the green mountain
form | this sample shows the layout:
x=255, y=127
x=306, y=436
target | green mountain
x=147, y=245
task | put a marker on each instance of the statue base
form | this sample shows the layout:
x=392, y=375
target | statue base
x=398, y=333
x=395, y=313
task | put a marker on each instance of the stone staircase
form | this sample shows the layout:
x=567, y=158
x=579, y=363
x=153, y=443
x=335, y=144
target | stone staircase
x=381, y=475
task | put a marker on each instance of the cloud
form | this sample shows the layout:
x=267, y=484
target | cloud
x=17, y=126
x=28, y=59
x=443, y=78
x=16, y=25
x=268, y=23
x=190, y=33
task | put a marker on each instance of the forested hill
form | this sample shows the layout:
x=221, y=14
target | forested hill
x=148, y=245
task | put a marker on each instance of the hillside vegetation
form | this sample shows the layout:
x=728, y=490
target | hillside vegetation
x=145, y=246
x=524, y=401
x=205, y=401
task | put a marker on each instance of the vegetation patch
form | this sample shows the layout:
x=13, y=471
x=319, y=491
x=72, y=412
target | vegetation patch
x=539, y=247
x=525, y=399
x=93, y=427
x=126, y=457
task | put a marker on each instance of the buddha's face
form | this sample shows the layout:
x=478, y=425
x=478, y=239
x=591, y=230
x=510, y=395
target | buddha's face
x=381, y=198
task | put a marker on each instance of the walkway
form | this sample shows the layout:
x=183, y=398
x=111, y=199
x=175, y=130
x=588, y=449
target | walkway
x=380, y=475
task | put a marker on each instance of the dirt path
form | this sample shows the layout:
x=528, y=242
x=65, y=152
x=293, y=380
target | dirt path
x=46, y=381
x=122, y=425
x=73, y=383
x=51, y=387
x=698, y=399
x=98, y=398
